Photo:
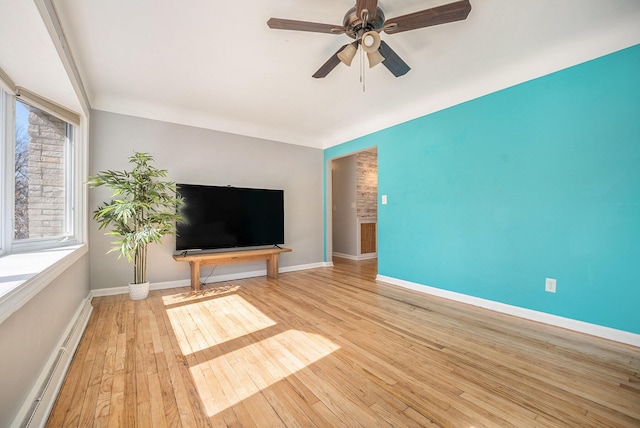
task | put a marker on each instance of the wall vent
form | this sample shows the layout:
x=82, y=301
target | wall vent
x=43, y=389
x=37, y=412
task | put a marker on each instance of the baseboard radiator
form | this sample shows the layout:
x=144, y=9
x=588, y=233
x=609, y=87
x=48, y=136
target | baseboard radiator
x=37, y=411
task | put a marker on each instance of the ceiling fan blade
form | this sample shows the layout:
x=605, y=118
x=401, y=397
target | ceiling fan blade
x=392, y=61
x=370, y=5
x=451, y=12
x=315, y=27
x=331, y=63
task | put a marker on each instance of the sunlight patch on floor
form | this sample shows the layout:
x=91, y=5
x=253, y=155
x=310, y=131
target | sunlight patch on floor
x=204, y=324
x=191, y=296
x=235, y=376
x=235, y=350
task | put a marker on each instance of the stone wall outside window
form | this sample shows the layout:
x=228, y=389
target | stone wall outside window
x=46, y=174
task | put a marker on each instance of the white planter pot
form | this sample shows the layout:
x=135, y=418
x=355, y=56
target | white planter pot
x=138, y=291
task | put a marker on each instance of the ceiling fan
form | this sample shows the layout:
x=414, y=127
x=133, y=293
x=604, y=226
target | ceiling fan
x=364, y=22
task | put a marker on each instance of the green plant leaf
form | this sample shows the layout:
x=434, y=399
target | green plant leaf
x=143, y=209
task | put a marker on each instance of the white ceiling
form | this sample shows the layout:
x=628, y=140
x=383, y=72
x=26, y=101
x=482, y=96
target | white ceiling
x=216, y=64
x=29, y=57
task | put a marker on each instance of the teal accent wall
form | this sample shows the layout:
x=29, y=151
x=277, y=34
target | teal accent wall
x=490, y=197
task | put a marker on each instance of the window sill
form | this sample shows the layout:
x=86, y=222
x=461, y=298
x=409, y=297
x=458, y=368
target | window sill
x=22, y=276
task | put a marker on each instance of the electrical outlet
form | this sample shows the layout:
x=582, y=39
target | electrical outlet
x=550, y=285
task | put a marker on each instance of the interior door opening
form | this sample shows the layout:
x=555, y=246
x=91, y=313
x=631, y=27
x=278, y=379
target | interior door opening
x=352, y=201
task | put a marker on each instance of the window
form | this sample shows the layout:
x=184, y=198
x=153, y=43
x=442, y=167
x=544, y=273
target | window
x=39, y=196
x=41, y=185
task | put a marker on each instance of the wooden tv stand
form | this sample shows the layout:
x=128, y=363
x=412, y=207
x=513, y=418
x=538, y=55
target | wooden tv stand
x=205, y=259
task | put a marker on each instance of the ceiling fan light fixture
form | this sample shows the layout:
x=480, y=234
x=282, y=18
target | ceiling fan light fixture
x=346, y=55
x=375, y=58
x=371, y=41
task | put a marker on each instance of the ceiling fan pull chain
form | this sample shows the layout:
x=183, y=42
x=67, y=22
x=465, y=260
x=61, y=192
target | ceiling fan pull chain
x=360, y=66
x=362, y=69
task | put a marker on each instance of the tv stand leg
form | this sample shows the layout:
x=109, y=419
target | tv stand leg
x=195, y=275
x=272, y=266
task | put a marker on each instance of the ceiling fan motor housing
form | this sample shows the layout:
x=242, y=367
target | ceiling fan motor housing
x=355, y=26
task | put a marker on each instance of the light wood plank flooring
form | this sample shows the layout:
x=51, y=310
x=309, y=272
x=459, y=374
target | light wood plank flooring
x=331, y=347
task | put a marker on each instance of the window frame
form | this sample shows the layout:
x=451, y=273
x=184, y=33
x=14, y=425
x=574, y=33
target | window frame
x=7, y=128
x=73, y=234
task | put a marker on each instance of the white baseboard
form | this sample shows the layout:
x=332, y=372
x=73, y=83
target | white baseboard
x=212, y=279
x=352, y=257
x=344, y=256
x=555, y=320
x=304, y=267
x=368, y=256
x=36, y=408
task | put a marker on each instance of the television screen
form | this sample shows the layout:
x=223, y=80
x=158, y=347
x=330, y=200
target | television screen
x=229, y=217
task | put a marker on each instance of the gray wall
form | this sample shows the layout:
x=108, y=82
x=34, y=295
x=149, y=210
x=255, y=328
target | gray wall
x=29, y=336
x=200, y=156
x=344, y=197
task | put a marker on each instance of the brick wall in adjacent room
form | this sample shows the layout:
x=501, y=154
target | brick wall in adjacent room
x=367, y=184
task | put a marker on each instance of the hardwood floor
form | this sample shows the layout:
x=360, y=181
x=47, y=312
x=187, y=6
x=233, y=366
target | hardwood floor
x=331, y=347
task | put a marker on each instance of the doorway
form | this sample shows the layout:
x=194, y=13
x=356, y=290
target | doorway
x=352, y=223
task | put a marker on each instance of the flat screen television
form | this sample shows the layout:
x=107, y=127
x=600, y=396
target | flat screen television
x=229, y=217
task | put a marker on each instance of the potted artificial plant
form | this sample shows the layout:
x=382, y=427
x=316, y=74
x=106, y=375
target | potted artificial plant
x=143, y=209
